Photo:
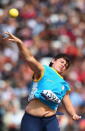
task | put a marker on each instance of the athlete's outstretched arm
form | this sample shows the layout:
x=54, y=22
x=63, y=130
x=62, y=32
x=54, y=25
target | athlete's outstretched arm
x=36, y=67
x=69, y=107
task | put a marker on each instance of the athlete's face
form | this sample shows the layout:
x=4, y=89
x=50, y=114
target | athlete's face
x=60, y=65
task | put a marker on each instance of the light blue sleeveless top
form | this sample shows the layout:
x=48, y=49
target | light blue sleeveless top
x=50, y=89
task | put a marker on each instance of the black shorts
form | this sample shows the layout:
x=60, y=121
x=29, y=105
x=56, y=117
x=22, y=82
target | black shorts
x=33, y=123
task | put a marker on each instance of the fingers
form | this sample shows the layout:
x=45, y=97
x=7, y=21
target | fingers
x=11, y=37
x=76, y=117
x=7, y=33
x=2, y=36
x=12, y=40
x=10, y=34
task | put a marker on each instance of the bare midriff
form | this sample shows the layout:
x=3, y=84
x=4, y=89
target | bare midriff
x=37, y=108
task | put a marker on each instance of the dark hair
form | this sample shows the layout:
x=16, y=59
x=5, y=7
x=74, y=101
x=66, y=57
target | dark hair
x=64, y=56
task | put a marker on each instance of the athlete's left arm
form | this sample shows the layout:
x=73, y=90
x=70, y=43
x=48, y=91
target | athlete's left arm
x=69, y=107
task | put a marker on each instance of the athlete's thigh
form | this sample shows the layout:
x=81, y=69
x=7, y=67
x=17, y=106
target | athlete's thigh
x=30, y=123
x=52, y=125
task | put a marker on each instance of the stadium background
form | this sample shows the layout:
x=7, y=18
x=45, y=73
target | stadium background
x=47, y=27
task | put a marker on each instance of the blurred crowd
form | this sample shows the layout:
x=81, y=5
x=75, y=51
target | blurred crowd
x=47, y=27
